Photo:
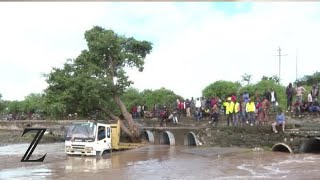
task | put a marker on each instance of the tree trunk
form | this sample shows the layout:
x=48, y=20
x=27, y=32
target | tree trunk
x=122, y=126
x=134, y=131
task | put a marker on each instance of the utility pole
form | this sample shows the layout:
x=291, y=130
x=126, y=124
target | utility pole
x=279, y=49
x=296, y=65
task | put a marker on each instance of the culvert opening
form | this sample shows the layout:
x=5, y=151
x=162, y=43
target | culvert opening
x=190, y=139
x=281, y=147
x=148, y=136
x=167, y=138
x=311, y=146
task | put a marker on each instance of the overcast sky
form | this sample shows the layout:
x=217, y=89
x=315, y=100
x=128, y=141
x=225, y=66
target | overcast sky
x=195, y=44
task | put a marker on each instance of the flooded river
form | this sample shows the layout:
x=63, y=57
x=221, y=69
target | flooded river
x=159, y=162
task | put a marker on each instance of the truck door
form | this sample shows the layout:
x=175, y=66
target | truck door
x=104, y=138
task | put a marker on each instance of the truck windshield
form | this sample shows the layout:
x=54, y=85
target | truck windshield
x=81, y=131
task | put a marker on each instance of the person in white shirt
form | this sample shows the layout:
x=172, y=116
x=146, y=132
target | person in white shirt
x=310, y=100
x=139, y=111
x=198, y=108
x=273, y=95
x=198, y=103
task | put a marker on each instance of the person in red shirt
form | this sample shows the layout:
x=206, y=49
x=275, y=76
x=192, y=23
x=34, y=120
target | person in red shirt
x=233, y=98
x=134, y=112
x=213, y=102
x=181, y=107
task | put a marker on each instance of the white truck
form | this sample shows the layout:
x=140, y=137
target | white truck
x=91, y=139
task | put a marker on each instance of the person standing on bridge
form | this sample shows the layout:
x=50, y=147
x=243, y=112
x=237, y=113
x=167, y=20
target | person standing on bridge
x=274, y=99
x=215, y=115
x=229, y=111
x=265, y=111
x=299, y=93
x=237, y=112
x=188, y=104
x=250, y=109
x=290, y=94
x=198, y=109
x=315, y=92
x=175, y=117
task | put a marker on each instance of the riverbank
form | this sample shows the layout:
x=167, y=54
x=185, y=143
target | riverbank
x=15, y=137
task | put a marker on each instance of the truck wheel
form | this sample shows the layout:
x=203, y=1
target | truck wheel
x=98, y=153
x=105, y=152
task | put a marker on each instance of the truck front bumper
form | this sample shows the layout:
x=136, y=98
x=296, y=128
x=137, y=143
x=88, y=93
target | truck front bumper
x=72, y=151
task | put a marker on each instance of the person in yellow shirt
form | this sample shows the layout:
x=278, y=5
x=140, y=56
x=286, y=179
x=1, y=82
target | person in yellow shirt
x=251, y=108
x=206, y=113
x=224, y=105
x=236, y=113
x=229, y=111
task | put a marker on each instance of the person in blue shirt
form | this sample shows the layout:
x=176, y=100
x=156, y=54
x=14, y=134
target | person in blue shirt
x=280, y=120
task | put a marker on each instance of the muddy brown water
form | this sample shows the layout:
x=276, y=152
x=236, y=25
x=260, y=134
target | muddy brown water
x=159, y=162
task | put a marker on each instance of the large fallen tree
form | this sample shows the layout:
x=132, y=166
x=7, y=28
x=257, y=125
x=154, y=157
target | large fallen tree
x=97, y=78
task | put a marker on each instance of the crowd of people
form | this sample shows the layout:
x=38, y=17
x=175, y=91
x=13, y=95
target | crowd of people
x=22, y=116
x=300, y=106
x=244, y=109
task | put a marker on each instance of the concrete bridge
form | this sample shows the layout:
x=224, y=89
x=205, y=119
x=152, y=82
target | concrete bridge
x=294, y=140
x=172, y=135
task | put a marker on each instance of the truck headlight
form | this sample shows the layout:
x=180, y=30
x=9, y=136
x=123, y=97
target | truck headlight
x=89, y=148
x=68, y=147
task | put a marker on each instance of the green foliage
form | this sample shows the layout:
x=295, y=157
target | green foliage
x=15, y=107
x=149, y=98
x=272, y=78
x=2, y=104
x=221, y=89
x=264, y=85
x=132, y=97
x=309, y=80
x=33, y=103
x=308, y=90
x=162, y=97
x=74, y=89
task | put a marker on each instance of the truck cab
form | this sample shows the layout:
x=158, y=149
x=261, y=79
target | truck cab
x=88, y=138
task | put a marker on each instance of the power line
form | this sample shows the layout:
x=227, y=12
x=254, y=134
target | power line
x=279, y=50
